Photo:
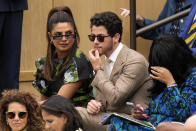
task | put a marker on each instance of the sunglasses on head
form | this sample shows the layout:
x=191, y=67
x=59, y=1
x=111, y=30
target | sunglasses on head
x=12, y=115
x=100, y=38
x=60, y=36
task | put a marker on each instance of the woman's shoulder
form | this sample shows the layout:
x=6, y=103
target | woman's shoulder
x=80, y=57
x=193, y=72
x=79, y=54
x=193, y=69
x=82, y=65
x=191, y=79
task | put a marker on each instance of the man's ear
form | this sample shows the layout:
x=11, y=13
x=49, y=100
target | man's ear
x=116, y=38
x=65, y=118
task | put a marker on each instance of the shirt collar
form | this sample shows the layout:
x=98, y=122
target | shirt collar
x=114, y=55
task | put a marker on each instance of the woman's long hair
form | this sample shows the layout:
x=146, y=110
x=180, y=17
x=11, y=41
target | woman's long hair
x=58, y=15
x=34, y=120
x=57, y=106
x=172, y=53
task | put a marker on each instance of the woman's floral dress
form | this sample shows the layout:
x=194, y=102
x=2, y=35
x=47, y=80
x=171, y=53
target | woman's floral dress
x=78, y=68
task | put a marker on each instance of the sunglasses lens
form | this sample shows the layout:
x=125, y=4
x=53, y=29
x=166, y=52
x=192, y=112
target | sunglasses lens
x=67, y=36
x=22, y=114
x=91, y=37
x=57, y=37
x=11, y=115
x=100, y=38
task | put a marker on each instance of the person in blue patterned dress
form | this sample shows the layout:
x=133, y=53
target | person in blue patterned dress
x=173, y=98
x=65, y=70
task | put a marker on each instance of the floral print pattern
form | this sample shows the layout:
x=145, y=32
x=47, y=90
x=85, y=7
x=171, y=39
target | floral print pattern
x=78, y=68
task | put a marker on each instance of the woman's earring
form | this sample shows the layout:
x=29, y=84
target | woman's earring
x=7, y=123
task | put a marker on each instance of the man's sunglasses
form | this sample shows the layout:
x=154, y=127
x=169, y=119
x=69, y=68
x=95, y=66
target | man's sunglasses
x=12, y=115
x=100, y=38
x=60, y=37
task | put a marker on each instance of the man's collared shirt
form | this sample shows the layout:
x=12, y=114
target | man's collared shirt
x=113, y=58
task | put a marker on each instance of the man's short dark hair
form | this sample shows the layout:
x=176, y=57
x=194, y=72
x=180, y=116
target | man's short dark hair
x=110, y=21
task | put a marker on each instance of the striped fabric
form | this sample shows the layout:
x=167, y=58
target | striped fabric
x=190, y=38
x=189, y=31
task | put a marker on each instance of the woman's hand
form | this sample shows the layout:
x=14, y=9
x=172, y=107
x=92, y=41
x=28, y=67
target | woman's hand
x=162, y=74
x=139, y=112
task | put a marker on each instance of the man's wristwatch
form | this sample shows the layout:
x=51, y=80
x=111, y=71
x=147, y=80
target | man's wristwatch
x=98, y=68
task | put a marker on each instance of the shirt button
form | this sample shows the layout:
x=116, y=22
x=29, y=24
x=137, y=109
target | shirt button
x=181, y=21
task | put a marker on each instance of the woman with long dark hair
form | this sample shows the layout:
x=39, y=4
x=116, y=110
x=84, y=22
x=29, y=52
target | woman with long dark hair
x=60, y=115
x=173, y=70
x=65, y=70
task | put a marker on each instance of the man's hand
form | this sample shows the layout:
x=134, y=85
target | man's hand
x=95, y=59
x=124, y=12
x=93, y=107
x=139, y=18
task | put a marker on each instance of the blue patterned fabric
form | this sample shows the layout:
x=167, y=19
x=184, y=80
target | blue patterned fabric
x=118, y=124
x=173, y=104
x=168, y=10
x=175, y=26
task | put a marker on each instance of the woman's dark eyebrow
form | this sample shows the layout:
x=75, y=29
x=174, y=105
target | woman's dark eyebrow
x=49, y=120
x=58, y=33
x=68, y=32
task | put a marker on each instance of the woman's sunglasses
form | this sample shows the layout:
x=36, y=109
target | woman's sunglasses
x=100, y=38
x=60, y=37
x=12, y=115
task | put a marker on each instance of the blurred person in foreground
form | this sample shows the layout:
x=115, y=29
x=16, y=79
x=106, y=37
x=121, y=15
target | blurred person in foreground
x=19, y=112
x=189, y=125
x=60, y=115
